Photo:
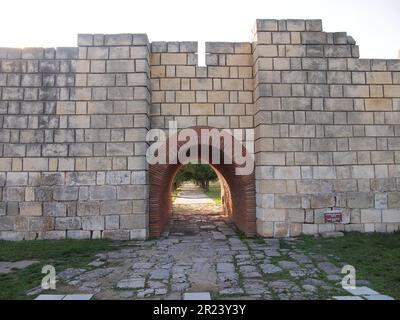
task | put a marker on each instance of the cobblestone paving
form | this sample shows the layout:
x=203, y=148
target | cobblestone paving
x=203, y=252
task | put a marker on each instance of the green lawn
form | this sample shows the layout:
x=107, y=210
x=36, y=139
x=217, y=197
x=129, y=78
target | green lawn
x=214, y=192
x=61, y=254
x=376, y=257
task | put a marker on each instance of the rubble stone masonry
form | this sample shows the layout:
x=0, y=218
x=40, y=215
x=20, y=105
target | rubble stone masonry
x=73, y=123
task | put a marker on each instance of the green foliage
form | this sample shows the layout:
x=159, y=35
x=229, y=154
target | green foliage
x=201, y=174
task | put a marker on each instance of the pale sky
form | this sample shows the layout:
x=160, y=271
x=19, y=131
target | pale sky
x=374, y=24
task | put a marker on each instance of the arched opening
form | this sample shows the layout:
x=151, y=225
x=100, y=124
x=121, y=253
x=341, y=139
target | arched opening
x=197, y=201
x=238, y=190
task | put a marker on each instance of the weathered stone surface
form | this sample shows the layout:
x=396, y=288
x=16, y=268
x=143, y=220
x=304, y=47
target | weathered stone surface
x=270, y=269
x=131, y=283
x=74, y=123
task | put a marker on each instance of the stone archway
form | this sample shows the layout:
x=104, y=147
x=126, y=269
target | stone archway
x=239, y=191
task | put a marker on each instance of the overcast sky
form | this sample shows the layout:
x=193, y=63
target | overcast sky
x=375, y=24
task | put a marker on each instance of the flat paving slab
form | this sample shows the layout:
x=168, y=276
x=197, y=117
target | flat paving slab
x=70, y=297
x=348, y=298
x=50, y=297
x=379, y=297
x=362, y=291
x=196, y=296
x=78, y=297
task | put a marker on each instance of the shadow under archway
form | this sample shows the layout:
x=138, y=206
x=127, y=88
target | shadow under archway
x=239, y=193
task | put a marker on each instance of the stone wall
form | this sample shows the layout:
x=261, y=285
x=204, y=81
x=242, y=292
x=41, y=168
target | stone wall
x=73, y=126
x=73, y=123
x=327, y=130
x=219, y=95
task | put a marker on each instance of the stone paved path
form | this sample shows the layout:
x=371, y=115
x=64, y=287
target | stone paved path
x=191, y=194
x=203, y=253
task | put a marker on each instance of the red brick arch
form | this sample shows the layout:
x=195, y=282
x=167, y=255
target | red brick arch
x=240, y=194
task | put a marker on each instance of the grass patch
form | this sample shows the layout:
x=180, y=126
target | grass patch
x=376, y=257
x=214, y=192
x=61, y=254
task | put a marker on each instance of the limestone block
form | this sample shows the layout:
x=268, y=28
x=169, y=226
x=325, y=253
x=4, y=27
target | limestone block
x=116, y=235
x=6, y=223
x=295, y=104
x=70, y=223
x=238, y=59
x=288, y=145
x=321, y=201
x=65, y=193
x=78, y=234
x=120, y=93
x=32, y=53
x=30, y=209
x=393, y=200
x=131, y=192
x=118, y=177
x=139, y=234
x=40, y=224
x=112, y=222
x=390, y=91
x=295, y=51
x=281, y=229
x=363, y=172
x=287, y=202
x=314, y=25
x=119, y=149
x=324, y=172
x=173, y=59
x=356, y=91
x=120, y=66
x=49, y=66
x=67, y=53
x=16, y=179
x=31, y=80
x=360, y=200
x=378, y=105
x=52, y=235
x=371, y=216
x=15, y=122
x=391, y=216
x=116, y=207
x=80, y=178
x=296, y=25
x=137, y=163
x=310, y=229
x=362, y=144
x=118, y=39
x=265, y=229
x=55, y=150
x=302, y=131
x=54, y=209
x=35, y=164
x=287, y=173
x=266, y=25
x=85, y=39
x=93, y=223
x=102, y=192
x=379, y=78
x=281, y=37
